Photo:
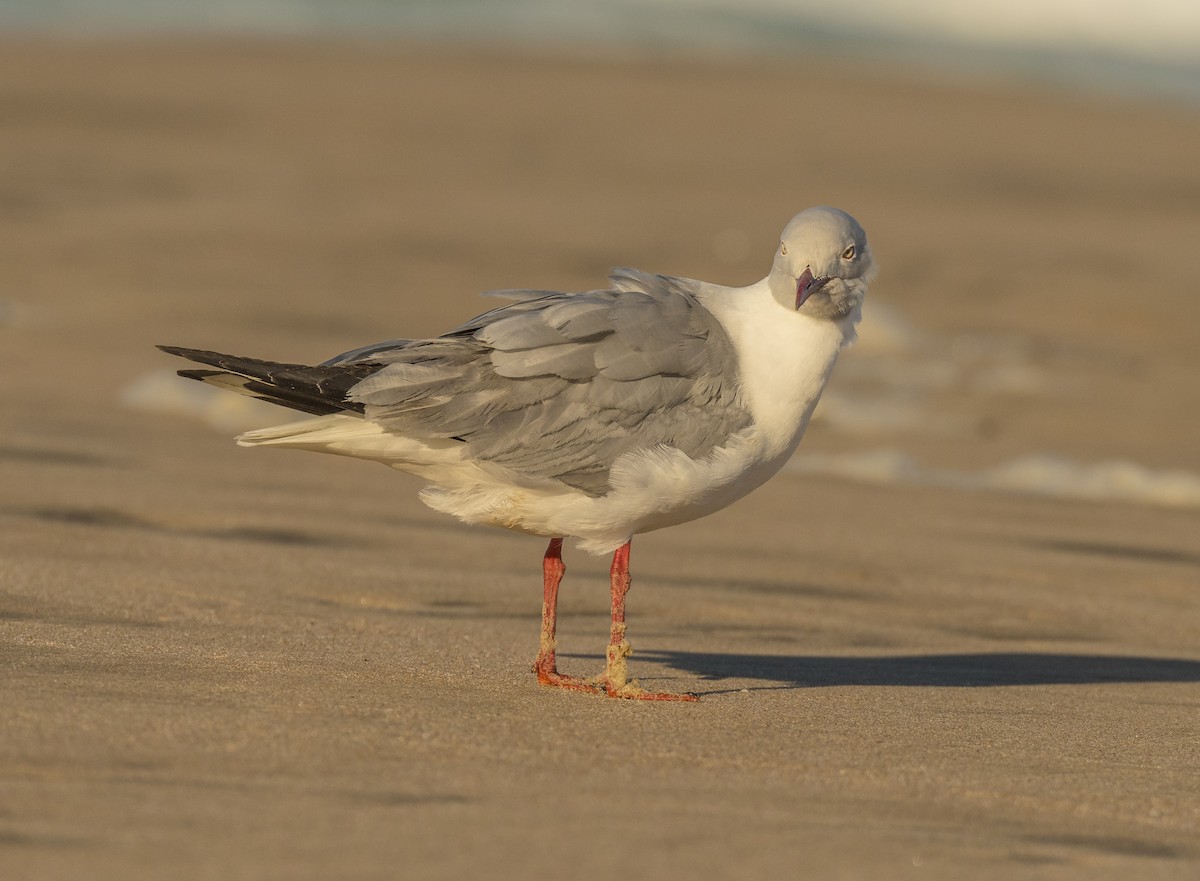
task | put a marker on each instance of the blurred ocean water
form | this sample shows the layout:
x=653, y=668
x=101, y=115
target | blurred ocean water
x=889, y=350
x=1150, y=47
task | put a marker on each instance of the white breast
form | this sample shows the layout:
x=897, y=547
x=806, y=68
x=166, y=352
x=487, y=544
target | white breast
x=784, y=361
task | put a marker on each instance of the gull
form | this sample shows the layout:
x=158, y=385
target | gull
x=594, y=416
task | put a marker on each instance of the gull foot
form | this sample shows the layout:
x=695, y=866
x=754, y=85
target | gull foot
x=549, y=676
x=616, y=682
x=631, y=690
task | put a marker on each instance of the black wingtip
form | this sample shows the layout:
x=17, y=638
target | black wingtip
x=205, y=356
x=201, y=375
x=319, y=390
x=182, y=352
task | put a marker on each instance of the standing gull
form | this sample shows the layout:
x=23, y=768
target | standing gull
x=595, y=415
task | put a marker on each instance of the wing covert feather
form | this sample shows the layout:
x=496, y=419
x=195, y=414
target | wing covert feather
x=557, y=387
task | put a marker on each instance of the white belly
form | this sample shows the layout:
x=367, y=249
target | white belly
x=784, y=361
x=651, y=489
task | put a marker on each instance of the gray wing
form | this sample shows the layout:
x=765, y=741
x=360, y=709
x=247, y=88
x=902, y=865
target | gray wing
x=557, y=387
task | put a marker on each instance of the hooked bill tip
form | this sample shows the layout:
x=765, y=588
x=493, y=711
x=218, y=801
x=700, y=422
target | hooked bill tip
x=807, y=285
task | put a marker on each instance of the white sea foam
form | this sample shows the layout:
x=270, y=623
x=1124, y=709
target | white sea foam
x=890, y=351
x=884, y=331
x=1042, y=474
x=164, y=392
x=875, y=415
x=1151, y=45
x=897, y=379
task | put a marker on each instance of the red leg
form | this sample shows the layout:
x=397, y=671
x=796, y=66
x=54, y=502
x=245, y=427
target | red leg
x=615, y=678
x=546, y=665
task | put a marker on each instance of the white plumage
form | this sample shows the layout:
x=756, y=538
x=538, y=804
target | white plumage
x=595, y=416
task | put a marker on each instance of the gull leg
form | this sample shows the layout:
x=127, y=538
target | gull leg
x=615, y=678
x=546, y=665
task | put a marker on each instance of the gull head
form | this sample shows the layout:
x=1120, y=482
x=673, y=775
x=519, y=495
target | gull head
x=822, y=265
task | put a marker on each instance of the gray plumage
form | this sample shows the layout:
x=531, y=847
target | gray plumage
x=554, y=388
x=599, y=415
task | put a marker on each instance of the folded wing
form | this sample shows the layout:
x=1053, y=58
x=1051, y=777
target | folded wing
x=554, y=388
x=559, y=386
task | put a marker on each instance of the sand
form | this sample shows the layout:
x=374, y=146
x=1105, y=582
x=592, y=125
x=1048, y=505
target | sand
x=226, y=663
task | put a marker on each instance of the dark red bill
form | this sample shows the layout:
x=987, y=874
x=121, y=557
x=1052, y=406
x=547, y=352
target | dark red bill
x=806, y=286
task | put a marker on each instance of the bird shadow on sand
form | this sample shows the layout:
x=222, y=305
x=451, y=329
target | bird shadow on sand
x=942, y=671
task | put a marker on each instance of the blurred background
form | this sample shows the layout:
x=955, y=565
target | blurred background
x=291, y=178
x=1112, y=44
x=959, y=634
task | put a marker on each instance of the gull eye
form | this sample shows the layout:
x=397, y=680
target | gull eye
x=849, y=253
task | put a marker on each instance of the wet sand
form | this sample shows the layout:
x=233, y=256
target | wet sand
x=226, y=663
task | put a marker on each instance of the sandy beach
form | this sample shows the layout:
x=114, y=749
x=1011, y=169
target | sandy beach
x=228, y=663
